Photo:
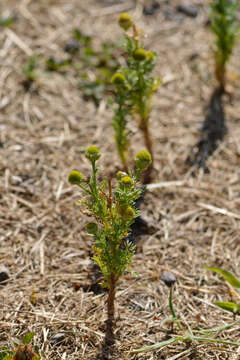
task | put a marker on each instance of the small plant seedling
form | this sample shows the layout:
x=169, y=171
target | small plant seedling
x=114, y=212
x=100, y=64
x=23, y=351
x=6, y=21
x=169, y=279
x=224, y=25
x=186, y=335
x=134, y=88
x=56, y=65
x=233, y=307
x=29, y=71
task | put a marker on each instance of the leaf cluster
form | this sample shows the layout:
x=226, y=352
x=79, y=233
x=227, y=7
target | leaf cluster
x=29, y=70
x=223, y=15
x=22, y=351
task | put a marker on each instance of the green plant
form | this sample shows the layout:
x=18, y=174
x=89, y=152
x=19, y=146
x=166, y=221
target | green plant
x=133, y=95
x=114, y=212
x=121, y=114
x=29, y=71
x=56, y=65
x=7, y=21
x=23, y=351
x=233, y=307
x=224, y=25
x=186, y=335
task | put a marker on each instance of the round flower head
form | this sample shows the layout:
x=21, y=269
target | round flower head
x=140, y=54
x=75, y=177
x=129, y=213
x=92, y=153
x=118, y=79
x=125, y=21
x=143, y=159
x=92, y=228
x=126, y=181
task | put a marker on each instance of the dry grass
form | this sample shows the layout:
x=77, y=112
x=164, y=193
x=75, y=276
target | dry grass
x=43, y=244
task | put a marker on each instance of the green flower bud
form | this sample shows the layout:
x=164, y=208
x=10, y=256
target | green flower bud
x=118, y=79
x=127, y=212
x=75, y=177
x=150, y=55
x=143, y=159
x=125, y=21
x=120, y=175
x=126, y=180
x=140, y=54
x=92, y=153
x=92, y=228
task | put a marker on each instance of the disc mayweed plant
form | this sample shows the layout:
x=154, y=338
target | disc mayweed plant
x=114, y=212
x=225, y=27
x=134, y=88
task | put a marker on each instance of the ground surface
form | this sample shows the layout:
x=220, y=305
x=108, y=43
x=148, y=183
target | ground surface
x=42, y=238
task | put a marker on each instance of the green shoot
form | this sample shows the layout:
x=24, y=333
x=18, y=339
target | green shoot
x=169, y=279
x=223, y=15
x=6, y=21
x=235, y=283
x=29, y=71
x=133, y=97
x=122, y=111
x=114, y=212
x=56, y=65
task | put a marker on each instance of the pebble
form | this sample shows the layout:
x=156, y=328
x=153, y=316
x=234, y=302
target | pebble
x=188, y=9
x=57, y=338
x=168, y=278
x=4, y=274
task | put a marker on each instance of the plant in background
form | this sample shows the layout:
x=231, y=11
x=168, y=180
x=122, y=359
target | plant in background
x=186, y=335
x=29, y=71
x=233, y=307
x=23, y=351
x=94, y=67
x=122, y=112
x=114, y=212
x=56, y=65
x=139, y=84
x=225, y=27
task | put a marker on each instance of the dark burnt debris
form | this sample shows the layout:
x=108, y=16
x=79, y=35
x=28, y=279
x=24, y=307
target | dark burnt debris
x=213, y=131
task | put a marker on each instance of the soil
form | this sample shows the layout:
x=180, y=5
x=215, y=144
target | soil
x=44, y=130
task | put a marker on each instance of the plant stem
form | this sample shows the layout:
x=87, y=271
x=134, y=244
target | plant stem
x=111, y=309
x=148, y=143
x=175, y=318
x=220, y=73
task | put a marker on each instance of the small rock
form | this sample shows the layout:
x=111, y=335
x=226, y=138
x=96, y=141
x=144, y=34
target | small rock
x=193, y=56
x=72, y=47
x=172, y=15
x=4, y=274
x=58, y=338
x=188, y=9
x=168, y=278
x=150, y=9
